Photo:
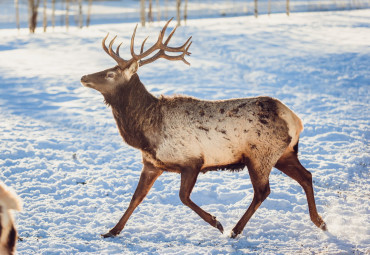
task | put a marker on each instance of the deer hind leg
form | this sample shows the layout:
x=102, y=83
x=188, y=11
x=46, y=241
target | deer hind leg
x=188, y=179
x=260, y=181
x=290, y=165
x=147, y=178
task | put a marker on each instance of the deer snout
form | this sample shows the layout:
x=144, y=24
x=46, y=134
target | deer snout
x=85, y=80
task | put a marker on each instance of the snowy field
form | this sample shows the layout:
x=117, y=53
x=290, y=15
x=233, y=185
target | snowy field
x=61, y=152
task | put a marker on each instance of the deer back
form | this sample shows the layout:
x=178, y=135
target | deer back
x=222, y=133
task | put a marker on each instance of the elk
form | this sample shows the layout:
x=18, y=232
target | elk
x=189, y=136
x=8, y=234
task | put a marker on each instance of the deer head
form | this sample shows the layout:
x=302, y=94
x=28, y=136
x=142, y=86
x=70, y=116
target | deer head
x=108, y=80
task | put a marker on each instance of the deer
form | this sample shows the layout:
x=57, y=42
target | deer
x=8, y=233
x=189, y=136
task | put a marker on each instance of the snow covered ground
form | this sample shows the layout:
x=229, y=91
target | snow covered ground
x=61, y=152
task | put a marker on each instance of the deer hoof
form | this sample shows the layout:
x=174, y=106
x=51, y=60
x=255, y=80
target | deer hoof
x=219, y=227
x=323, y=226
x=233, y=234
x=109, y=234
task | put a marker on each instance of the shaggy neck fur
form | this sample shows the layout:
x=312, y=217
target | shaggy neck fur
x=136, y=113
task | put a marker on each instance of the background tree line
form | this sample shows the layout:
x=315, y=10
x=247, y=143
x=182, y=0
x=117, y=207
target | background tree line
x=146, y=12
x=43, y=12
x=33, y=11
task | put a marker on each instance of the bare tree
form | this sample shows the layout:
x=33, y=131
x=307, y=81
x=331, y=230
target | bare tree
x=287, y=8
x=53, y=13
x=16, y=3
x=88, y=13
x=178, y=5
x=158, y=11
x=67, y=14
x=165, y=9
x=80, y=16
x=269, y=7
x=32, y=11
x=150, y=13
x=256, y=8
x=142, y=12
x=186, y=11
x=45, y=21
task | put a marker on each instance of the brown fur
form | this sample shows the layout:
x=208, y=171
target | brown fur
x=136, y=121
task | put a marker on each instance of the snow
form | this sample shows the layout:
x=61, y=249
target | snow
x=61, y=152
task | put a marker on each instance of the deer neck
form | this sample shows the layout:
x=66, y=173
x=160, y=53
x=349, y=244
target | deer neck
x=136, y=113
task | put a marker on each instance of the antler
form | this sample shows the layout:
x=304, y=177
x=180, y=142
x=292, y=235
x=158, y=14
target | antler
x=115, y=55
x=159, y=45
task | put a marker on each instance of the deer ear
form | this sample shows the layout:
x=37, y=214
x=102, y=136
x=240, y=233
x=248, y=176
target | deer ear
x=132, y=69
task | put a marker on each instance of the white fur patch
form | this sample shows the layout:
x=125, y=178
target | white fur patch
x=130, y=71
x=9, y=198
x=8, y=201
x=294, y=123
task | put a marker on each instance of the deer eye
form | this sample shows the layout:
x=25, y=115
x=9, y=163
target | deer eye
x=110, y=75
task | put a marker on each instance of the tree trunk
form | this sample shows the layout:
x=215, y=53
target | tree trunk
x=186, y=11
x=16, y=3
x=80, y=17
x=30, y=12
x=67, y=14
x=150, y=15
x=44, y=22
x=256, y=8
x=166, y=9
x=53, y=14
x=287, y=8
x=178, y=5
x=32, y=9
x=88, y=13
x=142, y=12
x=158, y=11
x=269, y=7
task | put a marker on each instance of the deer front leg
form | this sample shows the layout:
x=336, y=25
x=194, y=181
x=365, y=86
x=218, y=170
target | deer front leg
x=147, y=178
x=188, y=178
